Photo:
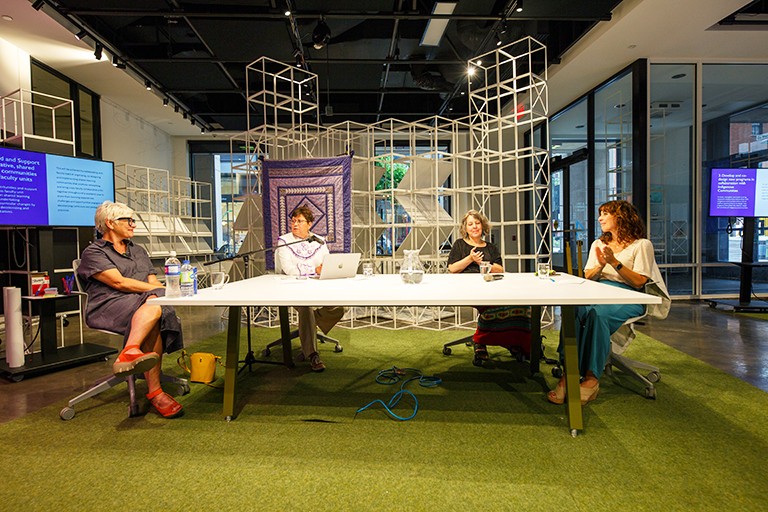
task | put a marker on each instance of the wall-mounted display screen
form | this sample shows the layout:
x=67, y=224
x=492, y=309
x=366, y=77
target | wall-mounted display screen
x=38, y=189
x=739, y=193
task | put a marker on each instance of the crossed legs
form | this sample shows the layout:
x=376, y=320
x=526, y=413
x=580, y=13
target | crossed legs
x=143, y=354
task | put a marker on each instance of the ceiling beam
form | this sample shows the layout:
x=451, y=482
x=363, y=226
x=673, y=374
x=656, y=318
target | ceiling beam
x=252, y=14
x=211, y=60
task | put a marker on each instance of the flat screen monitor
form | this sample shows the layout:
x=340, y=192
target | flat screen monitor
x=739, y=193
x=38, y=189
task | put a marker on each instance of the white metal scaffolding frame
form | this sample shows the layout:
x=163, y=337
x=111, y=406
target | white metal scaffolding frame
x=491, y=165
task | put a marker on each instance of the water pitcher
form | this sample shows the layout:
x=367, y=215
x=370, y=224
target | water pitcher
x=411, y=271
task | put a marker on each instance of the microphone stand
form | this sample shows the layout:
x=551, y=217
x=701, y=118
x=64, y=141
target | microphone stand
x=250, y=358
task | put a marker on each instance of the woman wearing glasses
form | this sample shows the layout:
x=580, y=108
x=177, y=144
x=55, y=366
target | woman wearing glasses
x=297, y=258
x=118, y=277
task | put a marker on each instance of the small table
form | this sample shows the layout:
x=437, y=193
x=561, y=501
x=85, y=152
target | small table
x=50, y=356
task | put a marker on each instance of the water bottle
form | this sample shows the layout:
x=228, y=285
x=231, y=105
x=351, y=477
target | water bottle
x=172, y=274
x=194, y=279
x=186, y=282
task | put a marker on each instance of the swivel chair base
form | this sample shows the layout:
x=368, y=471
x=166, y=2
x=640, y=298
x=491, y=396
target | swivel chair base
x=68, y=412
x=322, y=338
x=630, y=366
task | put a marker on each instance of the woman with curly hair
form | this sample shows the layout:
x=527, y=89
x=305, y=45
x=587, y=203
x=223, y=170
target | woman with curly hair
x=621, y=257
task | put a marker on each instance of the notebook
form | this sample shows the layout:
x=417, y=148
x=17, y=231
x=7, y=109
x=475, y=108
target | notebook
x=340, y=265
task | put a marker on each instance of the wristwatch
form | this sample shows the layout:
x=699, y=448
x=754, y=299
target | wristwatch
x=619, y=266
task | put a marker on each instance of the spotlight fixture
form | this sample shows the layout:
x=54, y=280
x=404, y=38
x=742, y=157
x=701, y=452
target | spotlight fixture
x=202, y=131
x=148, y=85
x=471, y=70
x=97, y=51
x=166, y=101
x=80, y=35
x=38, y=4
x=503, y=29
x=321, y=35
x=519, y=6
x=287, y=12
x=192, y=121
x=184, y=115
x=119, y=64
x=175, y=108
x=498, y=39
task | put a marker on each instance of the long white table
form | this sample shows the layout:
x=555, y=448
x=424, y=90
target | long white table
x=388, y=290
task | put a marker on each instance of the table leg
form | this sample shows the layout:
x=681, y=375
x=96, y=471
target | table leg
x=47, y=319
x=285, y=335
x=568, y=326
x=535, y=339
x=230, y=364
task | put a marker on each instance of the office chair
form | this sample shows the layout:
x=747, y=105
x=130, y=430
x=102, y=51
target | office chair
x=516, y=349
x=105, y=383
x=621, y=339
x=322, y=338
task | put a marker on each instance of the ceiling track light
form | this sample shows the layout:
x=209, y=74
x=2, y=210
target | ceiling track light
x=38, y=4
x=80, y=35
x=98, y=51
x=148, y=85
x=498, y=39
x=519, y=6
x=321, y=35
x=166, y=101
x=119, y=64
x=175, y=108
x=184, y=115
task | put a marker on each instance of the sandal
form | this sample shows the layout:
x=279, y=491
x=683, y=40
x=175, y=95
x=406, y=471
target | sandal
x=589, y=393
x=481, y=352
x=557, y=395
x=131, y=363
x=171, y=410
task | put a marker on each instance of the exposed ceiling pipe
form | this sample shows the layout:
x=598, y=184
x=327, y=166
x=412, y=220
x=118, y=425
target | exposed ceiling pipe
x=508, y=9
x=390, y=56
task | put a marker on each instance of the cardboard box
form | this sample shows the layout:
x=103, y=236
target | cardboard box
x=40, y=281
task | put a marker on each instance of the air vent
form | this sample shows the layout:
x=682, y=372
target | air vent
x=667, y=105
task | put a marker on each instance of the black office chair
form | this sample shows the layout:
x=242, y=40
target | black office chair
x=68, y=412
x=519, y=355
x=322, y=338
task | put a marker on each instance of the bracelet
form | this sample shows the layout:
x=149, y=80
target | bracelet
x=619, y=266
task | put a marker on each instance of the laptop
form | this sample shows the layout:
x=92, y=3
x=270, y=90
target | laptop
x=339, y=265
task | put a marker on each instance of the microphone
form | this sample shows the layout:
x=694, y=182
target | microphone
x=315, y=238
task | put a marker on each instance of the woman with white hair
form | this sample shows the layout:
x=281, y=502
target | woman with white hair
x=118, y=277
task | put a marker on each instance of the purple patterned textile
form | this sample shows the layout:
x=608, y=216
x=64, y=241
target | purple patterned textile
x=322, y=184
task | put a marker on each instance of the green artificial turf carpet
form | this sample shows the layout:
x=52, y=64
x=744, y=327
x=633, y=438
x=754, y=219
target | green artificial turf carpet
x=484, y=438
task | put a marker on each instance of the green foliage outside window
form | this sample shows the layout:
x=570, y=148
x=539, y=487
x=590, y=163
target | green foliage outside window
x=393, y=173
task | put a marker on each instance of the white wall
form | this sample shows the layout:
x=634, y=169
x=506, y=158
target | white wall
x=127, y=139
x=14, y=68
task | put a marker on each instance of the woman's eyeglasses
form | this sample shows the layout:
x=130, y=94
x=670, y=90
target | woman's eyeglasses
x=130, y=220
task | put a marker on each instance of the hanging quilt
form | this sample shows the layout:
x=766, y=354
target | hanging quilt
x=322, y=184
